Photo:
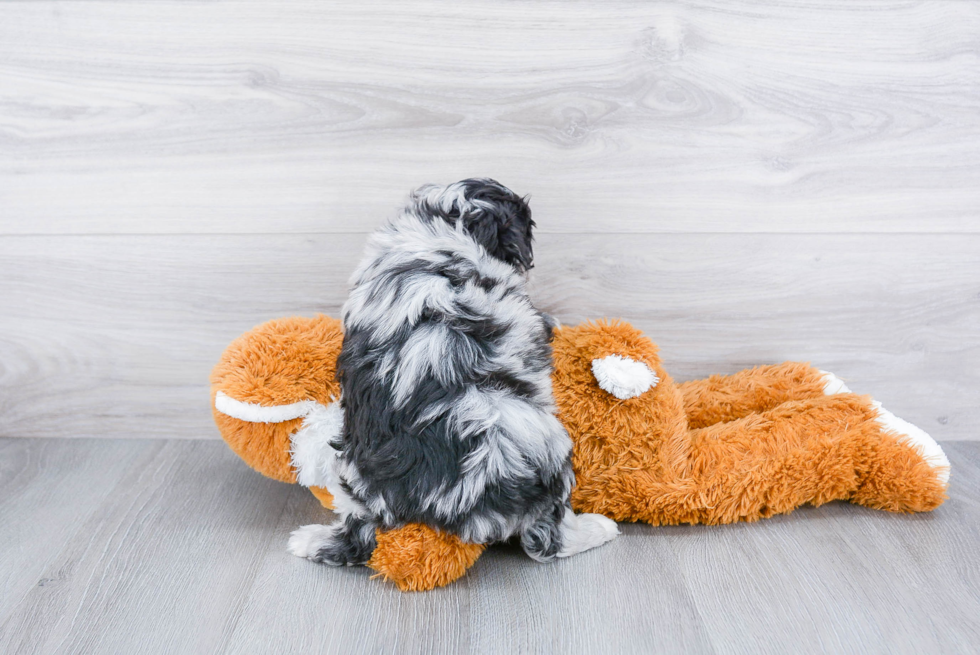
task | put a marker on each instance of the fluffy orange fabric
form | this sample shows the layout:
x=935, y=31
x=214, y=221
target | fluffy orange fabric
x=766, y=441
x=722, y=398
x=417, y=558
x=729, y=448
x=277, y=363
x=324, y=496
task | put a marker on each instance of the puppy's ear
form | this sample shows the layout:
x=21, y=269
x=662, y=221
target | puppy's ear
x=496, y=217
x=500, y=220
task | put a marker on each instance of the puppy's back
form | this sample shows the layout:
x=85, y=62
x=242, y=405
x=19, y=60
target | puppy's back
x=445, y=371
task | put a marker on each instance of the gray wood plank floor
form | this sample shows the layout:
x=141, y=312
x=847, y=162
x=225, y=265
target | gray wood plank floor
x=163, y=546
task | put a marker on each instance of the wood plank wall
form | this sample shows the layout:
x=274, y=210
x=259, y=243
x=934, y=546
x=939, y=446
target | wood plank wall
x=748, y=182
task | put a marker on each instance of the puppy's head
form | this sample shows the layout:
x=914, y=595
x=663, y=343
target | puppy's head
x=496, y=217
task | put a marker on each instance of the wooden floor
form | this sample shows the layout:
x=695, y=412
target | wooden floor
x=164, y=546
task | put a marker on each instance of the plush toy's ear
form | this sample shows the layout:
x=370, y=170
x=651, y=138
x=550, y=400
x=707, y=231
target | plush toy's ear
x=611, y=355
x=623, y=377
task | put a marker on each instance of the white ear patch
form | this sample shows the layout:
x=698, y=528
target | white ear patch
x=623, y=377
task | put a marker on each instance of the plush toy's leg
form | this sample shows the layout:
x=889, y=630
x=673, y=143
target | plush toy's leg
x=906, y=468
x=722, y=398
x=837, y=447
x=419, y=558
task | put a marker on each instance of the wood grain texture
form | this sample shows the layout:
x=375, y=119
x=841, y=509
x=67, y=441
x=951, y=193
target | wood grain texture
x=301, y=116
x=116, y=336
x=187, y=554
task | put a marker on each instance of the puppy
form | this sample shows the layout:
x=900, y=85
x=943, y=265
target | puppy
x=445, y=373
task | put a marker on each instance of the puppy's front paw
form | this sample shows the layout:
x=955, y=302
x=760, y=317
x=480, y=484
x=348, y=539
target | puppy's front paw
x=582, y=532
x=602, y=527
x=308, y=540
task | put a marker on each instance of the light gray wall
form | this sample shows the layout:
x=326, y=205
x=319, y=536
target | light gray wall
x=747, y=182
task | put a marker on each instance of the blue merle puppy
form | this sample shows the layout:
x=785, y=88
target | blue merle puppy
x=445, y=371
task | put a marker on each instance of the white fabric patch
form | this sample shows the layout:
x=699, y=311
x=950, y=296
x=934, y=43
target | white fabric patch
x=623, y=377
x=255, y=413
x=917, y=438
x=580, y=532
x=833, y=384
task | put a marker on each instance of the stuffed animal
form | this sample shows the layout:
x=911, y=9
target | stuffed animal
x=645, y=448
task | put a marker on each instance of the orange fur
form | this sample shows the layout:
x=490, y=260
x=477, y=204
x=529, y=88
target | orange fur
x=728, y=448
x=277, y=363
x=722, y=398
x=324, y=496
x=418, y=558
x=766, y=441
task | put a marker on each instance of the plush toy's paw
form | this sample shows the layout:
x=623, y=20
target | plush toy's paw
x=918, y=439
x=309, y=540
x=419, y=558
x=908, y=434
x=623, y=377
x=581, y=532
x=833, y=384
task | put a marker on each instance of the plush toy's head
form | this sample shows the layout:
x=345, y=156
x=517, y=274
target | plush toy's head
x=267, y=382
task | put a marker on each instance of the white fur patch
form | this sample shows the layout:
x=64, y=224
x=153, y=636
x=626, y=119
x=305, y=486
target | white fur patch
x=316, y=461
x=918, y=439
x=255, y=413
x=833, y=384
x=307, y=541
x=580, y=532
x=623, y=377
x=312, y=454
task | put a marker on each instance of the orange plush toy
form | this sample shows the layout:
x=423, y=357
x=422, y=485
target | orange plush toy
x=729, y=448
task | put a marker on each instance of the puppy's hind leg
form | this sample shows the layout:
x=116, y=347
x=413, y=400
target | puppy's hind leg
x=563, y=533
x=349, y=541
